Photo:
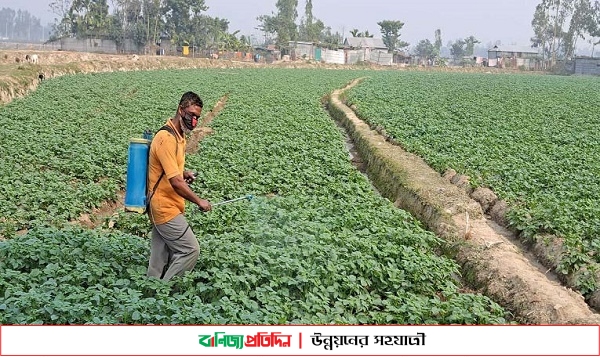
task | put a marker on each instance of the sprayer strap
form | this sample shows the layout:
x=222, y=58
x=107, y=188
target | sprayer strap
x=169, y=129
x=172, y=132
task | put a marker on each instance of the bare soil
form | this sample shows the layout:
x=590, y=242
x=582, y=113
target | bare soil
x=100, y=215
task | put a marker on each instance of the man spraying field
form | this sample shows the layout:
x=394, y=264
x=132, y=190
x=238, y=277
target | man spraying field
x=174, y=247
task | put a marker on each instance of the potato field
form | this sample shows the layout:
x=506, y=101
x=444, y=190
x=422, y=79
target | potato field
x=317, y=245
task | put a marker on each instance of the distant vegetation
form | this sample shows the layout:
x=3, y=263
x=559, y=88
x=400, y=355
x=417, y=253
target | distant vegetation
x=20, y=25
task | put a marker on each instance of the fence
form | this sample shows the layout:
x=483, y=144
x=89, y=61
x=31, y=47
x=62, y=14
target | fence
x=355, y=56
x=382, y=58
x=76, y=45
x=329, y=56
x=5, y=45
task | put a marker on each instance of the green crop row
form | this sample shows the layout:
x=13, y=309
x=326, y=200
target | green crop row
x=532, y=139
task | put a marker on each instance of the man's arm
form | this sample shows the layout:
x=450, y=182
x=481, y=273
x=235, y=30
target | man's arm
x=184, y=190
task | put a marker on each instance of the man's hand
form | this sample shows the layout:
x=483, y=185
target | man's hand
x=204, y=205
x=189, y=177
x=183, y=189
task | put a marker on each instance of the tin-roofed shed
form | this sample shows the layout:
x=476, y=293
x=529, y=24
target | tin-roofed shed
x=513, y=57
x=302, y=50
x=369, y=49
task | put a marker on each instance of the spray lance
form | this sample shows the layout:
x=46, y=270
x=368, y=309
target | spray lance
x=247, y=197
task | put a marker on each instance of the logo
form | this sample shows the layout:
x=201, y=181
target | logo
x=261, y=339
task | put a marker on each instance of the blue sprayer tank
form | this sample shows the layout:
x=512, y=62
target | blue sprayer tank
x=137, y=173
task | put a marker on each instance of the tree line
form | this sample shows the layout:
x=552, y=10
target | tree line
x=186, y=21
x=146, y=22
x=282, y=26
x=559, y=25
x=20, y=25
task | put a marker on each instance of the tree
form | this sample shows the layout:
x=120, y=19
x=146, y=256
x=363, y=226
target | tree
x=547, y=23
x=154, y=19
x=330, y=39
x=287, y=20
x=437, y=46
x=89, y=18
x=582, y=12
x=20, y=25
x=457, y=49
x=593, y=27
x=559, y=10
x=217, y=32
x=542, y=29
x=390, y=31
x=283, y=23
x=182, y=17
x=425, y=51
x=126, y=22
x=356, y=33
x=310, y=28
x=7, y=17
x=556, y=5
x=62, y=23
x=470, y=42
x=549, y=20
x=268, y=25
x=584, y=21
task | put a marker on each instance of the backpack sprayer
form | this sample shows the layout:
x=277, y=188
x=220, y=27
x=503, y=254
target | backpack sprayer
x=137, y=174
x=136, y=190
x=136, y=199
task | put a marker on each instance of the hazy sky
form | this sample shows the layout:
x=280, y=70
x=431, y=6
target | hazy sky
x=508, y=21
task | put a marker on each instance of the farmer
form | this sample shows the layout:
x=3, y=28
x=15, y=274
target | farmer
x=174, y=247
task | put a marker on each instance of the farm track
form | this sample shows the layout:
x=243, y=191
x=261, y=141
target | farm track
x=490, y=255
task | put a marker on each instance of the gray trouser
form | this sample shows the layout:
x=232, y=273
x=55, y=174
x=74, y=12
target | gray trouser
x=174, y=248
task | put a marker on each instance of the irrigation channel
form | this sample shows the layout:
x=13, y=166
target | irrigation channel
x=491, y=257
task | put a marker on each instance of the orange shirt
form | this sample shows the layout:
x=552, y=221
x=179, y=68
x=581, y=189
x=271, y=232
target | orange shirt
x=167, y=153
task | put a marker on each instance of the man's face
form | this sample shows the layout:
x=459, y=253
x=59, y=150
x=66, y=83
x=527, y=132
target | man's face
x=190, y=116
